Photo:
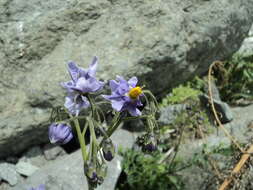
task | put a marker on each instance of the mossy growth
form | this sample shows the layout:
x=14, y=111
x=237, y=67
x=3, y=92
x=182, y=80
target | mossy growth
x=146, y=172
x=181, y=94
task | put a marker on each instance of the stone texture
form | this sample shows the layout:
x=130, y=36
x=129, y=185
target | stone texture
x=226, y=114
x=169, y=113
x=163, y=42
x=5, y=186
x=67, y=173
x=8, y=173
x=25, y=168
x=51, y=152
x=34, y=156
x=247, y=46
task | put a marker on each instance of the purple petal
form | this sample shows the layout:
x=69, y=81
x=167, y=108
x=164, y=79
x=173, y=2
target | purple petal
x=117, y=105
x=88, y=85
x=113, y=97
x=73, y=71
x=75, y=103
x=133, y=111
x=82, y=85
x=41, y=187
x=133, y=81
x=68, y=85
x=93, y=67
x=113, y=85
x=60, y=133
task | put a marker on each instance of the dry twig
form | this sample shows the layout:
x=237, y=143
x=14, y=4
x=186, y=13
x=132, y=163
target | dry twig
x=246, y=154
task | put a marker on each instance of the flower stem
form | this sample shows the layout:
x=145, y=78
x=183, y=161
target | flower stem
x=112, y=128
x=91, y=105
x=80, y=137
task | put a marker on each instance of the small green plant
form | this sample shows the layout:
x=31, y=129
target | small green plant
x=236, y=80
x=144, y=171
x=180, y=94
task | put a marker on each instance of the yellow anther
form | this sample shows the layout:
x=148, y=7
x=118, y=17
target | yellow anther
x=135, y=92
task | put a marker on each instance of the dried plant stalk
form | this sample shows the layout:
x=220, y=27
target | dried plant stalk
x=214, y=110
x=237, y=168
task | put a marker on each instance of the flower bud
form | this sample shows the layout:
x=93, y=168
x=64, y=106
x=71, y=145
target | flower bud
x=101, y=171
x=91, y=174
x=108, y=150
x=150, y=145
x=60, y=133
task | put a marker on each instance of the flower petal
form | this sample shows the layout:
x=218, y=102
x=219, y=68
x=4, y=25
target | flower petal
x=73, y=71
x=41, y=187
x=88, y=85
x=117, y=105
x=68, y=85
x=133, y=81
x=133, y=111
x=60, y=133
x=75, y=103
x=113, y=85
x=93, y=67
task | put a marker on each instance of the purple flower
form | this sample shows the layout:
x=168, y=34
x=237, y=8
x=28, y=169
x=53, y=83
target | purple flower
x=125, y=95
x=41, y=187
x=60, y=133
x=82, y=82
x=75, y=102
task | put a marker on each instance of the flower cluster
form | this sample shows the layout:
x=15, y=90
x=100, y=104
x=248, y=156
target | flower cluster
x=126, y=96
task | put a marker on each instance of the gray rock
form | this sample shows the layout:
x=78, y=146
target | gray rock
x=246, y=48
x=162, y=42
x=225, y=112
x=25, y=168
x=67, y=173
x=8, y=173
x=4, y=186
x=169, y=113
x=34, y=156
x=51, y=152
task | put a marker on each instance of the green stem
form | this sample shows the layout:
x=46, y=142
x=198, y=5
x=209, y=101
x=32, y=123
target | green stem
x=138, y=117
x=91, y=105
x=112, y=128
x=80, y=138
x=92, y=131
x=90, y=186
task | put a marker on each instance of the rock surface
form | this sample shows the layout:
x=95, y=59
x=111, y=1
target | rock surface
x=162, y=42
x=247, y=46
x=25, y=168
x=67, y=173
x=8, y=173
x=34, y=156
x=51, y=152
x=222, y=108
x=169, y=113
